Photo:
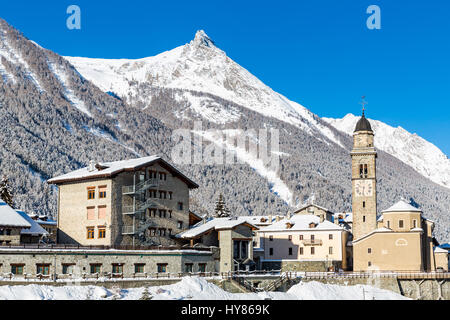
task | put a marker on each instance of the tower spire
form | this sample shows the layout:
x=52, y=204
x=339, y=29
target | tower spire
x=363, y=103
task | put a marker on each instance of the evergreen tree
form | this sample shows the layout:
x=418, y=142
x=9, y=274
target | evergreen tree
x=221, y=210
x=5, y=192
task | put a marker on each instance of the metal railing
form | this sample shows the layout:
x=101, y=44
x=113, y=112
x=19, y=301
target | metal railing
x=312, y=242
x=141, y=186
x=140, y=207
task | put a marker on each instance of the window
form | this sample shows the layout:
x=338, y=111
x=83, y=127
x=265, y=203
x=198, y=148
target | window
x=189, y=267
x=43, y=269
x=91, y=193
x=290, y=238
x=300, y=237
x=90, y=213
x=101, y=232
x=2, y=232
x=388, y=224
x=364, y=218
x=240, y=249
x=271, y=252
x=202, y=267
x=96, y=267
x=139, y=267
x=102, y=192
x=364, y=204
x=270, y=238
x=330, y=250
x=8, y=232
x=102, y=212
x=162, y=267
x=117, y=268
x=369, y=263
x=366, y=171
x=312, y=237
x=162, y=176
x=67, y=268
x=414, y=223
x=180, y=224
x=369, y=250
x=400, y=223
x=330, y=236
x=301, y=250
x=17, y=269
x=180, y=205
x=170, y=195
x=290, y=251
x=361, y=170
x=312, y=250
x=90, y=232
x=170, y=214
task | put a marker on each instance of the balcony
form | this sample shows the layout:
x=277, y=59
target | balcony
x=139, y=207
x=141, y=186
x=128, y=230
x=312, y=242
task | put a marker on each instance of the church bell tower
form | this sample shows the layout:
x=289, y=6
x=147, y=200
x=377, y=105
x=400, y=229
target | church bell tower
x=364, y=190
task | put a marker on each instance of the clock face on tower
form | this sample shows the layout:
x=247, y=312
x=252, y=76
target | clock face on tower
x=364, y=188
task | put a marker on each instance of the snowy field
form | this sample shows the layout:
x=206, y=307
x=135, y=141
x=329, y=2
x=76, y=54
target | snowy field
x=194, y=289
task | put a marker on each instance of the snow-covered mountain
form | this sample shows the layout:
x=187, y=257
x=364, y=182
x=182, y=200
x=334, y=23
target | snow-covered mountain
x=421, y=155
x=200, y=66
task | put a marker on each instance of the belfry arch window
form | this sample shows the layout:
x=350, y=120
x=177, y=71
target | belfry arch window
x=363, y=171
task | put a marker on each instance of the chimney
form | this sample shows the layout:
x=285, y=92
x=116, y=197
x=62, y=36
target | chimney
x=322, y=218
x=270, y=218
x=277, y=218
x=91, y=166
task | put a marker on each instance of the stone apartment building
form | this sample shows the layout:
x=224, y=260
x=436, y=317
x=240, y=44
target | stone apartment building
x=141, y=201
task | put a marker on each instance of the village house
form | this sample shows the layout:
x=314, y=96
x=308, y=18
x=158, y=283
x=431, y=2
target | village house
x=11, y=225
x=304, y=242
x=233, y=236
x=141, y=201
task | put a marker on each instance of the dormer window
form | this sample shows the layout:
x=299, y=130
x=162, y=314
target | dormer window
x=312, y=225
x=289, y=225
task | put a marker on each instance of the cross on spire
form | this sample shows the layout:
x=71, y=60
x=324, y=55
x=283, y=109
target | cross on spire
x=363, y=103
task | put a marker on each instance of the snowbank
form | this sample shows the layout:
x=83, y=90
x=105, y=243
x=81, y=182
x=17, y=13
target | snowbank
x=194, y=288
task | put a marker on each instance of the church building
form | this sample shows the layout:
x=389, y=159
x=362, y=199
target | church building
x=398, y=240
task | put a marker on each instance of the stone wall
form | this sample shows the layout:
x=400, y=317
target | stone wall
x=301, y=265
x=83, y=259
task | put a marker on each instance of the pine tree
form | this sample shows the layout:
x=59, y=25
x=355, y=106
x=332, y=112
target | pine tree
x=5, y=192
x=221, y=210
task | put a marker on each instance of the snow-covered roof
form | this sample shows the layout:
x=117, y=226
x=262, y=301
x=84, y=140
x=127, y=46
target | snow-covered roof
x=109, y=169
x=47, y=222
x=301, y=223
x=402, y=206
x=348, y=216
x=259, y=220
x=213, y=224
x=440, y=250
x=309, y=205
x=10, y=218
x=35, y=229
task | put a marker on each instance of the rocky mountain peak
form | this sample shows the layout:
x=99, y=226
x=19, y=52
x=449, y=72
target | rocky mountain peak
x=202, y=39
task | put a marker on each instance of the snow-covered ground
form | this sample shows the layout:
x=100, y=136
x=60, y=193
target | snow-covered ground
x=195, y=288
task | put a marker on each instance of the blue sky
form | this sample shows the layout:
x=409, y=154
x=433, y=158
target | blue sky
x=318, y=53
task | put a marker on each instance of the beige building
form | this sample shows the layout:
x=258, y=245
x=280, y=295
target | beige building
x=234, y=237
x=141, y=201
x=400, y=239
x=314, y=209
x=304, y=242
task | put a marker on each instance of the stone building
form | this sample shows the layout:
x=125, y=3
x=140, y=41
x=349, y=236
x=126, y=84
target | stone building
x=141, y=201
x=233, y=236
x=88, y=262
x=11, y=225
